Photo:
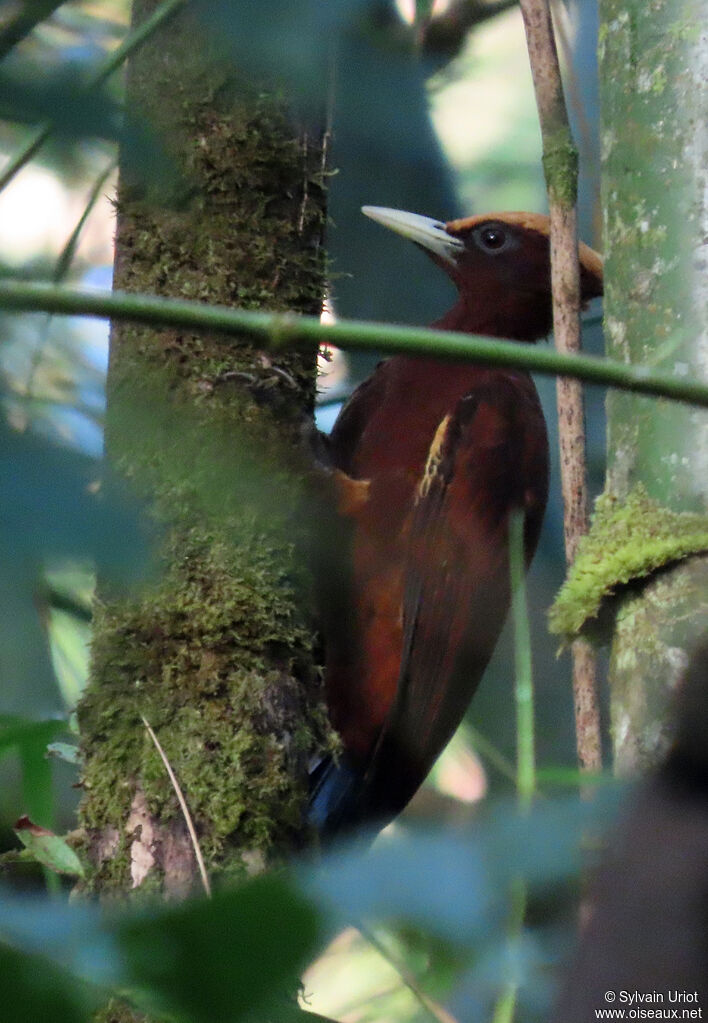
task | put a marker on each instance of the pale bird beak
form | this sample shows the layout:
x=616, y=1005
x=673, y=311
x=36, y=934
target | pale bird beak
x=424, y=231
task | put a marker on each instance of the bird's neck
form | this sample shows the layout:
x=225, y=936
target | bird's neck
x=458, y=318
x=483, y=315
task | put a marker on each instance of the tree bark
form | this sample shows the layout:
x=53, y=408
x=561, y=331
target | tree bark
x=216, y=650
x=654, y=96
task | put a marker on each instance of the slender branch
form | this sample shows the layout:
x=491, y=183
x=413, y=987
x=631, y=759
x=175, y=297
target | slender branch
x=280, y=330
x=104, y=71
x=562, y=27
x=435, y=1011
x=586, y=705
x=183, y=807
x=560, y=164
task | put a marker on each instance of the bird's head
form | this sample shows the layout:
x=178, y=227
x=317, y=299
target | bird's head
x=500, y=263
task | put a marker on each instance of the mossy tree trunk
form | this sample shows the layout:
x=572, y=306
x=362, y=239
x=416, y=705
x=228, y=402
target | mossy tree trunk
x=653, y=60
x=216, y=649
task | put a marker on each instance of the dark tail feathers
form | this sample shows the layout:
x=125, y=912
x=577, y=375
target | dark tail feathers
x=337, y=797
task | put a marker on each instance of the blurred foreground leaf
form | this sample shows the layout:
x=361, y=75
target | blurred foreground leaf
x=73, y=106
x=239, y=954
x=33, y=989
x=357, y=63
x=203, y=960
x=217, y=960
x=53, y=507
x=21, y=22
x=292, y=43
x=455, y=884
x=54, y=510
x=30, y=95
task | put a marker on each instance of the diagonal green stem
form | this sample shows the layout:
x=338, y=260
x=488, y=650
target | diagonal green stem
x=426, y=1003
x=505, y=1007
x=489, y=752
x=525, y=745
x=66, y=256
x=280, y=330
x=35, y=141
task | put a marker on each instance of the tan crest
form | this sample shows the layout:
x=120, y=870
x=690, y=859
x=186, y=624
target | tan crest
x=589, y=258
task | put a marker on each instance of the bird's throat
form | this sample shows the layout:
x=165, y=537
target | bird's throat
x=492, y=318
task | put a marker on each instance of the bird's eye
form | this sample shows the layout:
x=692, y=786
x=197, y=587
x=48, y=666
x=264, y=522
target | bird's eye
x=492, y=238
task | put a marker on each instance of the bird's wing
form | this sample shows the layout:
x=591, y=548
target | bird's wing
x=355, y=417
x=456, y=589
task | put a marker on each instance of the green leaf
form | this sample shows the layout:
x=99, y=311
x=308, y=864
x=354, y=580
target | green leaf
x=52, y=508
x=65, y=751
x=48, y=849
x=62, y=104
x=95, y=80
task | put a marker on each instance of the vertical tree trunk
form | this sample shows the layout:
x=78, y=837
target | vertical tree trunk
x=216, y=650
x=654, y=94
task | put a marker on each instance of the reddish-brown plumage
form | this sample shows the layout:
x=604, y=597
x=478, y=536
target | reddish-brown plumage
x=430, y=459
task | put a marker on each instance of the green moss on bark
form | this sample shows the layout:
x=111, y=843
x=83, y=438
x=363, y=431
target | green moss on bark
x=560, y=166
x=628, y=541
x=218, y=661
